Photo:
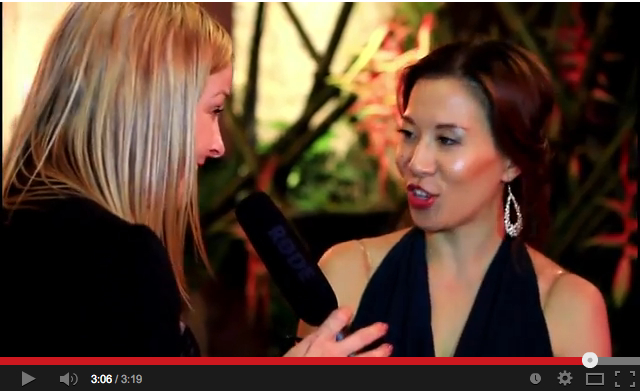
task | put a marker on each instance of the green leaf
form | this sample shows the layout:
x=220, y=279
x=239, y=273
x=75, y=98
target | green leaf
x=621, y=281
x=279, y=125
x=294, y=178
x=608, y=240
x=616, y=206
x=323, y=143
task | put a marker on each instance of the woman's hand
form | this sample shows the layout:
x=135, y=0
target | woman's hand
x=322, y=342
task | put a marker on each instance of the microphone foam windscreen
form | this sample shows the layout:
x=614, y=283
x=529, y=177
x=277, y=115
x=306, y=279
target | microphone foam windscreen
x=287, y=259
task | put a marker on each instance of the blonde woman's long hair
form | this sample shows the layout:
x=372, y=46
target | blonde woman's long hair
x=110, y=116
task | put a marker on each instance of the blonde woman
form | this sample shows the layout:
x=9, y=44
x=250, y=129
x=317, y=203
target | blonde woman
x=99, y=184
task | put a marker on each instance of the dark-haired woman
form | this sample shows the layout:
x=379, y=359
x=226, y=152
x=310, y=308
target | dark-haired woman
x=466, y=279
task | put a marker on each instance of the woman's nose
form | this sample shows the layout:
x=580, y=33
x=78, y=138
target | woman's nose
x=423, y=161
x=217, y=149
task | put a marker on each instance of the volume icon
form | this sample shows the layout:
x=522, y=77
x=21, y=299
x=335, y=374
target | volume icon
x=69, y=379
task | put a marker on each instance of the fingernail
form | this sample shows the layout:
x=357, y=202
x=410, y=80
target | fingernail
x=389, y=347
x=384, y=327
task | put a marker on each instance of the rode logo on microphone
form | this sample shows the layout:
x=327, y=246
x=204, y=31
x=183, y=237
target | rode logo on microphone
x=287, y=247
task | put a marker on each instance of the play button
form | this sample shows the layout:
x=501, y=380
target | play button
x=26, y=379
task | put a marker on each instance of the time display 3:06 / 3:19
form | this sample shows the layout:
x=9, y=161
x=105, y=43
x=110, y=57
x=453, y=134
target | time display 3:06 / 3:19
x=115, y=379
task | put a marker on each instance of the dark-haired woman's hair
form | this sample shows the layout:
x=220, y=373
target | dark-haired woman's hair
x=517, y=93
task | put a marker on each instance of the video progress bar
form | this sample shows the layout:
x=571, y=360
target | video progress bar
x=618, y=361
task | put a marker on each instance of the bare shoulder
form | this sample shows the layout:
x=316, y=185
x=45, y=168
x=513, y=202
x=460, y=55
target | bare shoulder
x=547, y=272
x=361, y=256
x=378, y=247
x=574, y=309
x=348, y=266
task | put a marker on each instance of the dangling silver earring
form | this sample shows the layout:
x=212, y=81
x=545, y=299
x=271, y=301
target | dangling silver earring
x=513, y=229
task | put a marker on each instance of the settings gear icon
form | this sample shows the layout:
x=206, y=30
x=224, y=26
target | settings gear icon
x=564, y=378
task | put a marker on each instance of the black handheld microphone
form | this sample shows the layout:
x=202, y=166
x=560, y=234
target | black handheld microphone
x=287, y=259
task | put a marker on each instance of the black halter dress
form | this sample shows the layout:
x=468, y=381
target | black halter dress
x=506, y=319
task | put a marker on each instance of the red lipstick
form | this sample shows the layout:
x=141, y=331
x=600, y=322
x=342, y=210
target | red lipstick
x=419, y=198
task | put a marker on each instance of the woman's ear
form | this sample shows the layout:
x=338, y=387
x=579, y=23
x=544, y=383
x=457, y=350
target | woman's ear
x=510, y=172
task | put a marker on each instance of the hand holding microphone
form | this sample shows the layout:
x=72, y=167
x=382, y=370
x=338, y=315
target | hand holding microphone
x=322, y=342
x=303, y=284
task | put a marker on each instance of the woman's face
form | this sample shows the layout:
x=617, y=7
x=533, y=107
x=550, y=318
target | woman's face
x=447, y=157
x=208, y=138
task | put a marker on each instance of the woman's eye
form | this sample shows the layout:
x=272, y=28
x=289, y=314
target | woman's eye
x=446, y=141
x=405, y=133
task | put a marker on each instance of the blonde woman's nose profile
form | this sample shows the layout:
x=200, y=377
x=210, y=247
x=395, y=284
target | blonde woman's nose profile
x=217, y=149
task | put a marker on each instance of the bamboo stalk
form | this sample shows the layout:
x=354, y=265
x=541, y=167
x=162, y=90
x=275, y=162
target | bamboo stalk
x=251, y=93
x=317, y=99
x=302, y=124
x=309, y=137
x=320, y=93
x=303, y=34
x=325, y=62
x=306, y=139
